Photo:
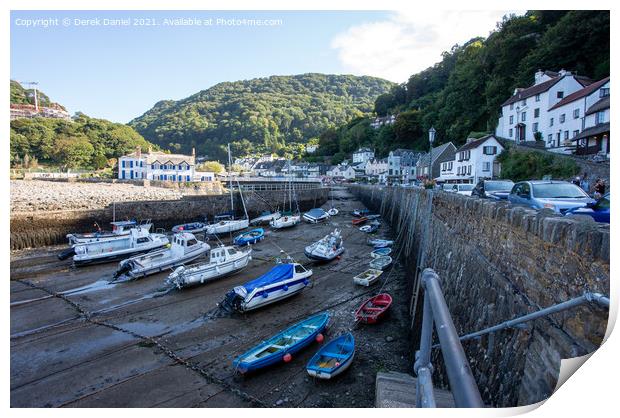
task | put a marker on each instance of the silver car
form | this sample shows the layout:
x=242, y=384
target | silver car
x=556, y=195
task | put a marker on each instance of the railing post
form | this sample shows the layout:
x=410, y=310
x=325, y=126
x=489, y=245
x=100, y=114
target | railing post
x=425, y=397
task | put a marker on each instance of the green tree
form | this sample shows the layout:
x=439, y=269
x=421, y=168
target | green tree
x=212, y=166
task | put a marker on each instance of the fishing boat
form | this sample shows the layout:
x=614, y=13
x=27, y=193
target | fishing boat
x=370, y=229
x=137, y=241
x=327, y=248
x=380, y=252
x=223, y=261
x=185, y=248
x=358, y=213
x=119, y=229
x=359, y=221
x=287, y=220
x=193, y=227
x=226, y=223
x=282, y=281
x=380, y=263
x=316, y=215
x=282, y=346
x=380, y=243
x=250, y=237
x=367, y=277
x=333, y=358
x=371, y=311
x=265, y=218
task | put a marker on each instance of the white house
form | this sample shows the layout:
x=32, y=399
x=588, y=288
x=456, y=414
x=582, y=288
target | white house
x=341, y=171
x=475, y=160
x=568, y=117
x=157, y=166
x=527, y=110
x=594, y=139
x=363, y=155
x=385, y=120
x=375, y=167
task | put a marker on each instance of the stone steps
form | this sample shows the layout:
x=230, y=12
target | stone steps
x=398, y=390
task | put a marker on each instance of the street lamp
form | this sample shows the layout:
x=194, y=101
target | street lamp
x=431, y=139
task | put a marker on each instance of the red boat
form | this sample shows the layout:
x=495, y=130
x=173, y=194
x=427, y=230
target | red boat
x=373, y=309
x=359, y=221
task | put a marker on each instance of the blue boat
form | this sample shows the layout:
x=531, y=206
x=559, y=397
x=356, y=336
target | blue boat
x=283, y=345
x=381, y=252
x=250, y=237
x=193, y=227
x=380, y=243
x=333, y=358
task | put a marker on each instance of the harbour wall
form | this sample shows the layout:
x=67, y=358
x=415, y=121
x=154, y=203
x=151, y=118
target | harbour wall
x=498, y=262
x=41, y=228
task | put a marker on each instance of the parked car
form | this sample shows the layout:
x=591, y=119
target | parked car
x=463, y=188
x=559, y=196
x=493, y=189
x=598, y=210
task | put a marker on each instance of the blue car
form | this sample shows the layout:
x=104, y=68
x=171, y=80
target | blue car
x=598, y=210
x=560, y=196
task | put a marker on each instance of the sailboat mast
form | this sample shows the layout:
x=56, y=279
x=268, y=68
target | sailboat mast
x=232, y=204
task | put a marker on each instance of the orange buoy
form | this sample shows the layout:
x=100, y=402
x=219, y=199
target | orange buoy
x=287, y=358
x=320, y=338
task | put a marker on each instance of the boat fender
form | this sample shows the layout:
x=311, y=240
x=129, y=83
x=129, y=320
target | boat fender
x=306, y=281
x=285, y=288
x=265, y=295
x=287, y=358
x=320, y=338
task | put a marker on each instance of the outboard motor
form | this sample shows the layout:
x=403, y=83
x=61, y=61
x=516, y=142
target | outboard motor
x=124, y=268
x=69, y=252
x=232, y=302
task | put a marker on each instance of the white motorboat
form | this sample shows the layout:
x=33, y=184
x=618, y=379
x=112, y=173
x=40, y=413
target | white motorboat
x=327, y=248
x=223, y=261
x=184, y=249
x=119, y=229
x=316, y=215
x=282, y=281
x=137, y=241
x=286, y=221
x=265, y=218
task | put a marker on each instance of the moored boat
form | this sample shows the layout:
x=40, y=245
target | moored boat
x=185, y=248
x=380, y=263
x=282, y=281
x=316, y=215
x=223, y=224
x=327, y=248
x=373, y=309
x=223, y=261
x=282, y=346
x=137, y=241
x=359, y=221
x=358, y=213
x=250, y=237
x=193, y=227
x=332, y=212
x=265, y=218
x=287, y=220
x=370, y=228
x=119, y=229
x=333, y=358
x=380, y=243
x=367, y=277
x=380, y=252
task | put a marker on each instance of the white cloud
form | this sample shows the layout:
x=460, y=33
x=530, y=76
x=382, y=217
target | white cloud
x=408, y=42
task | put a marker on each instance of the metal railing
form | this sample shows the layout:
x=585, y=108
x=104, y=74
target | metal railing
x=462, y=383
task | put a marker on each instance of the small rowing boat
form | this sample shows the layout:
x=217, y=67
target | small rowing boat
x=359, y=213
x=282, y=346
x=250, y=237
x=380, y=263
x=367, y=277
x=332, y=212
x=333, y=358
x=370, y=229
x=381, y=252
x=380, y=243
x=371, y=311
x=359, y=221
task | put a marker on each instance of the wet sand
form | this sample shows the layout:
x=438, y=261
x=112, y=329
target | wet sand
x=78, y=341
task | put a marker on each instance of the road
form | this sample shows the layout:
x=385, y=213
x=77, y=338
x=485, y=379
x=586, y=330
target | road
x=78, y=341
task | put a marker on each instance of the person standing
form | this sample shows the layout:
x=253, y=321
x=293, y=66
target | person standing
x=599, y=188
x=585, y=183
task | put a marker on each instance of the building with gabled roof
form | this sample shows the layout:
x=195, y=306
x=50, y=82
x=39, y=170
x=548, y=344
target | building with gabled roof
x=160, y=166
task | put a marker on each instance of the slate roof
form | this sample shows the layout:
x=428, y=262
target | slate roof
x=594, y=130
x=474, y=144
x=544, y=86
x=598, y=106
x=586, y=91
x=163, y=158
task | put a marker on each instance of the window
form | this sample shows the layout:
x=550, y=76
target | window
x=523, y=116
x=510, y=133
x=524, y=102
x=562, y=117
x=549, y=139
x=576, y=113
x=599, y=117
x=123, y=163
x=469, y=170
x=560, y=94
x=536, y=112
x=512, y=119
x=535, y=127
x=512, y=106
x=486, y=166
x=575, y=132
x=142, y=240
x=489, y=150
x=551, y=122
x=565, y=135
x=538, y=97
x=604, y=92
x=191, y=241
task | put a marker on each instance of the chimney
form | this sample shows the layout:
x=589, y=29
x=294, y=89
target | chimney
x=563, y=72
x=193, y=152
x=538, y=77
x=470, y=140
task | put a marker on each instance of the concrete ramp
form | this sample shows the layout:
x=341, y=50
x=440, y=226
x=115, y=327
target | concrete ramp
x=398, y=390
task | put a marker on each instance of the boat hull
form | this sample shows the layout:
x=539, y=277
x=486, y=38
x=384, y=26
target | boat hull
x=333, y=358
x=380, y=305
x=285, y=222
x=323, y=258
x=227, y=226
x=208, y=274
x=170, y=263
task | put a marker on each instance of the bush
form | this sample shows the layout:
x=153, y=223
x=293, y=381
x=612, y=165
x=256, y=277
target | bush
x=519, y=165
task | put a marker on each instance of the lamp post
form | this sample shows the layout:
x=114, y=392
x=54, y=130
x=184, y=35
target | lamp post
x=431, y=139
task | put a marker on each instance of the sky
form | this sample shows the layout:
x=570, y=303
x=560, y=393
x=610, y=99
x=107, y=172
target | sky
x=117, y=72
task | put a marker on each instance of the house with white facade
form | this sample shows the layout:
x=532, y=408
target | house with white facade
x=569, y=115
x=376, y=166
x=363, y=155
x=526, y=112
x=594, y=139
x=341, y=171
x=381, y=121
x=159, y=166
x=475, y=160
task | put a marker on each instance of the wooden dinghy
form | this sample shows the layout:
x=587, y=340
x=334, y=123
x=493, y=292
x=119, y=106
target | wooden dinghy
x=333, y=358
x=381, y=252
x=359, y=221
x=372, y=310
x=282, y=346
x=380, y=263
x=368, y=277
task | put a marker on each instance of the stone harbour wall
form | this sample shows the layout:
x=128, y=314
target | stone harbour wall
x=498, y=262
x=41, y=228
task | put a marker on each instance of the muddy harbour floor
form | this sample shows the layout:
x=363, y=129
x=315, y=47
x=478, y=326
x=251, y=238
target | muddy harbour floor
x=78, y=341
